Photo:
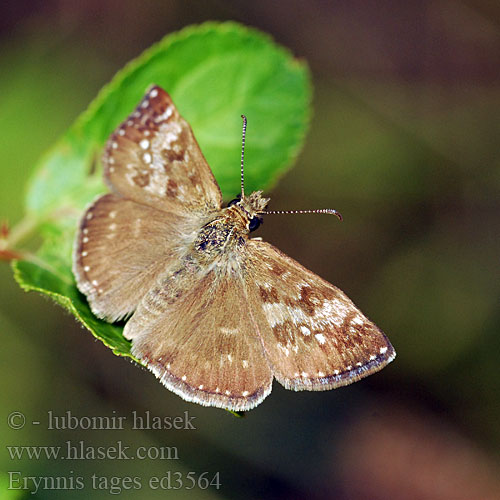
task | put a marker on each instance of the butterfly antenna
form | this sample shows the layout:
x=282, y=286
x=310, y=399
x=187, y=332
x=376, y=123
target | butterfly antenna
x=243, y=154
x=330, y=211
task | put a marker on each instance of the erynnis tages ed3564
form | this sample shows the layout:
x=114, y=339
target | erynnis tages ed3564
x=212, y=312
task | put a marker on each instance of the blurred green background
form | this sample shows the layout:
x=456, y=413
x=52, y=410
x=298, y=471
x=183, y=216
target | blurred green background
x=404, y=142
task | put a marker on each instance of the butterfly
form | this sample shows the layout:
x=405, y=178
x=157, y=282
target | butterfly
x=215, y=314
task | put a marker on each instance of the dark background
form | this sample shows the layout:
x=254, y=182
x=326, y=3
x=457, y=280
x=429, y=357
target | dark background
x=404, y=142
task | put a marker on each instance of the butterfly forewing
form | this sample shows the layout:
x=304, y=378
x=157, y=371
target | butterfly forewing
x=153, y=158
x=154, y=165
x=314, y=336
x=120, y=248
x=193, y=331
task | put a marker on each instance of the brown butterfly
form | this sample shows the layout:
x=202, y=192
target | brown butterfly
x=214, y=314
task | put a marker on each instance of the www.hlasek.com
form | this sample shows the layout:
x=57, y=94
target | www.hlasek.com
x=81, y=451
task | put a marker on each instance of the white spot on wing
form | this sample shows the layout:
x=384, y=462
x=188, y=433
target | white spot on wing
x=284, y=349
x=320, y=338
x=358, y=320
x=228, y=331
x=277, y=313
x=164, y=116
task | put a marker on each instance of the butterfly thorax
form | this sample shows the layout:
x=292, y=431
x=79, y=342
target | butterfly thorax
x=227, y=232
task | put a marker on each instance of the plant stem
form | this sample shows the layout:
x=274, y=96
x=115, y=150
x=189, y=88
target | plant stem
x=20, y=231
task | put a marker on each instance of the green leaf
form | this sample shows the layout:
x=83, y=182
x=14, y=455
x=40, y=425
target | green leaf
x=35, y=277
x=214, y=72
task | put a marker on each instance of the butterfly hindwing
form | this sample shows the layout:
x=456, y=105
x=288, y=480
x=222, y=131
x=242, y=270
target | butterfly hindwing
x=192, y=330
x=315, y=338
x=153, y=158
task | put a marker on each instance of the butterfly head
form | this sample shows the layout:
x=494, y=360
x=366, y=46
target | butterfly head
x=253, y=207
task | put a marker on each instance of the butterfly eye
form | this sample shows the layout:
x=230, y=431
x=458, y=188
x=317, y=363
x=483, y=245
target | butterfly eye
x=236, y=200
x=255, y=222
